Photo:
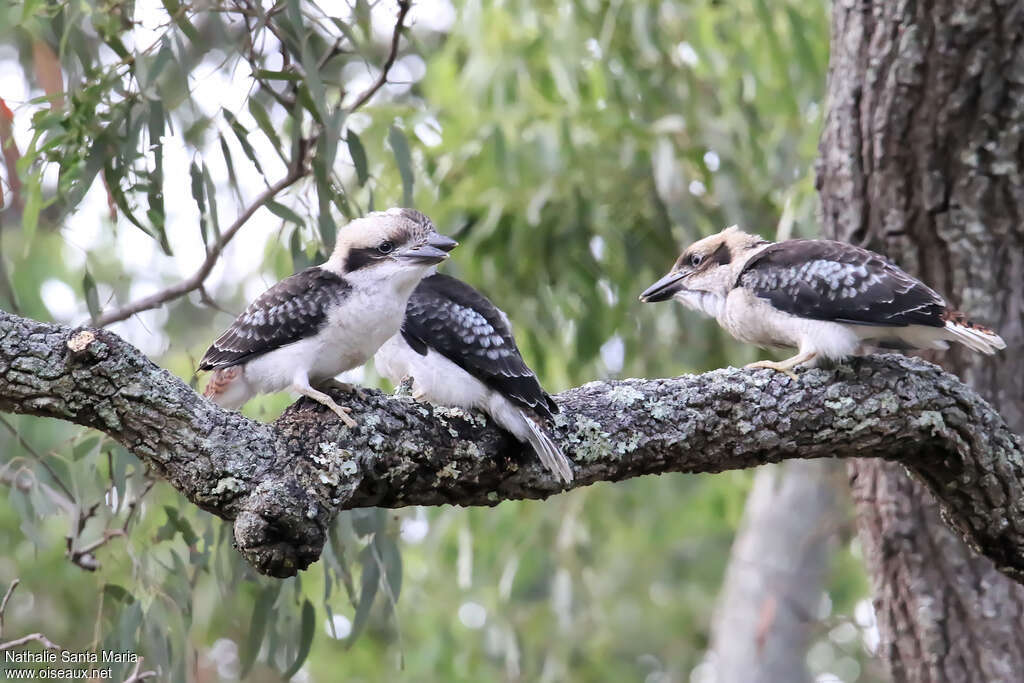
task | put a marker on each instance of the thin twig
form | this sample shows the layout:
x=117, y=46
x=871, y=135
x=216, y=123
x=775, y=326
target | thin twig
x=133, y=506
x=85, y=557
x=107, y=535
x=5, y=280
x=43, y=640
x=196, y=280
x=15, y=480
x=298, y=169
x=287, y=102
x=3, y=604
x=403, y=9
x=137, y=676
x=11, y=644
x=37, y=455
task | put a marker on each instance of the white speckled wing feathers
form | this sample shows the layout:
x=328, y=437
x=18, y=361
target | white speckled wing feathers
x=837, y=282
x=454, y=319
x=293, y=309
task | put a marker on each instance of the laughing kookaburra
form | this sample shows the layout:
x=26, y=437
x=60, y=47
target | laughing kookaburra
x=458, y=349
x=824, y=298
x=327, y=319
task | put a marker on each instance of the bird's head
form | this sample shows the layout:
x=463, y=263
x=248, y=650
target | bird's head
x=708, y=266
x=398, y=244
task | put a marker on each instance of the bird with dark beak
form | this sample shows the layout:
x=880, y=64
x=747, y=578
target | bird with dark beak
x=826, y=299
x=457, y=348
x=330, y=318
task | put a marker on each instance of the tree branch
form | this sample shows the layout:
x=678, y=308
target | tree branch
x=3, y=603
x=396, y=36
x=282, y=483
x=24, y=640
x=196, y=280
x=297, y=170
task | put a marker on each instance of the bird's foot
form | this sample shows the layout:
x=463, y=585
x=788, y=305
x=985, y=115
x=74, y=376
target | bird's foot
x=338, y=385
x=325, y=400
x=783, y=367
x=404, y=387
x=342, y=413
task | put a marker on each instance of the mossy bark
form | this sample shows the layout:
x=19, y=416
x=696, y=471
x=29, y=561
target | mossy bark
x=282, y=483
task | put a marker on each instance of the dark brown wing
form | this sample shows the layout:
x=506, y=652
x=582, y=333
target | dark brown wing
x=293, y=309
x=826, y=280
x=460, y=323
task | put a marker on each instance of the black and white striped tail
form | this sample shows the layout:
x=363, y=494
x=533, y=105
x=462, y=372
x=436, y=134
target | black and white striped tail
x=972, y=335
x=551, y=456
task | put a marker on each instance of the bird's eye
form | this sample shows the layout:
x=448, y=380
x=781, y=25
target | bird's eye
x=696, y=260
x=386, y=247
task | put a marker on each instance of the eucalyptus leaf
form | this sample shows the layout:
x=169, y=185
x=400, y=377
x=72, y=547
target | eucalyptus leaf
x=390, y=559
x=196, y=178
x=92, y=299
x=403, y=157
x=358, y=154
x=284, y=212
x=308, y=630
x=262, y=117
x=369, y=583
x=261, y=612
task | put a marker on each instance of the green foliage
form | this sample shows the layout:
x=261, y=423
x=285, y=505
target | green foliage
x=570, y=147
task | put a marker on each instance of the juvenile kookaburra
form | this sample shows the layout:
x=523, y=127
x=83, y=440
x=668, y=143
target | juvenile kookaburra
x=326, y=319
x=824, y=298
x=458, y=349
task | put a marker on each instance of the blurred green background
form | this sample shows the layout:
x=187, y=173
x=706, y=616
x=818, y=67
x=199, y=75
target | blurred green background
x=569, y=147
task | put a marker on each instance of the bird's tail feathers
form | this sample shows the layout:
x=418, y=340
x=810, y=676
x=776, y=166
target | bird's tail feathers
x=976, y=337
x=551, y=456
x=227, y=387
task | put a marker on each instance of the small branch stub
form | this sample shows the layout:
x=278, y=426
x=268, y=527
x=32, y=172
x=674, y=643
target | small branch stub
x=79, y=342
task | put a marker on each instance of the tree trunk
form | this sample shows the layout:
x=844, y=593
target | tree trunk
x=921, y=160
x=772, y=588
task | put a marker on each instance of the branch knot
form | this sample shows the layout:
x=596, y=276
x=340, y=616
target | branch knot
x=280, y=541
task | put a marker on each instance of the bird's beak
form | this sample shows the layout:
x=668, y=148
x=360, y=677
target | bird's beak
x=665, y=288
x=432, y=252
x=442, y=242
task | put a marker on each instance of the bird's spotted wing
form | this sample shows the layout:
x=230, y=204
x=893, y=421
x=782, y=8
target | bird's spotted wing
x=293, y=309
x=460, y=323
x=826, y=280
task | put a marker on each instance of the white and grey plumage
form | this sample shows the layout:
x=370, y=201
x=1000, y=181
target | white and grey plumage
x=458, y=349
x=327, y=319
x=826, y=299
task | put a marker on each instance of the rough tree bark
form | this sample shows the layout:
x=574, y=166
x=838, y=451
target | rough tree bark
x=921, y=159
x=772, y=588
x=282, y=483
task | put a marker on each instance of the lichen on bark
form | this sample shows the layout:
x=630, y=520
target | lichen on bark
x=282, y=483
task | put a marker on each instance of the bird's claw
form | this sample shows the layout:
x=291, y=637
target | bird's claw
x=338, y=385
x=404, y=387
x=772, y=365
x=342, y=412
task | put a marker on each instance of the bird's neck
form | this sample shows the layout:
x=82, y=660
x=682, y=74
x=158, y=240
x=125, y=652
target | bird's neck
x=385, y=279
x=708, y=303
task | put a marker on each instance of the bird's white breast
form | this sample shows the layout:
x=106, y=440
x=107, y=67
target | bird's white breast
x=435, y=378
x=356, y=329
x=440, y=381
x=754, y=320
x=370, y=313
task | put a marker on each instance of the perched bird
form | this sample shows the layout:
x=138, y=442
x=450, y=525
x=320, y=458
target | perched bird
x=824, y=298
x=330, y=318
x=458, y=349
